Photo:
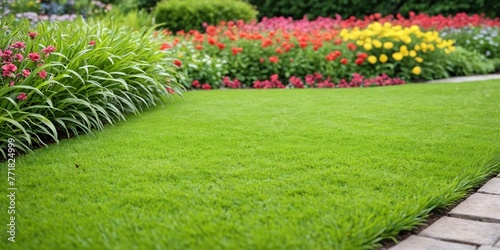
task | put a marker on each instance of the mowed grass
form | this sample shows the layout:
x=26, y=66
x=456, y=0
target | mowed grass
x=260, y=169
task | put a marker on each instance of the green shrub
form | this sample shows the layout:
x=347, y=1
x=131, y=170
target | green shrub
x=69, y=79
x=485, y=40
x=358, y=8
x=186, y=15
x=465, y=62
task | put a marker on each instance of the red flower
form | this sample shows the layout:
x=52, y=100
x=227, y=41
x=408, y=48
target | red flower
x=49, y=49
x=170, y=90
x=338, y=41
x=26, y=72
x=273, y=59
x=359, y=61
x=235, y=51
x=195, y=84
x=279, y=50
x=351, y=46
x=177, y=63
x=32, y=34
x=362, y=56
x=344, y=61
x=165, y=46
x=92, y=42
x=206, y=86
x=35, y=57
x=262, y=60
x=198, y=47
x=221, y=46
x=42, y=74
x=21, y=96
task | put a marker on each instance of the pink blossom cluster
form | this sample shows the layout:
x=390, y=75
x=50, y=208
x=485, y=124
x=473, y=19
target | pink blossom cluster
x=18, y=64
x=273, y=82
x=233, y=84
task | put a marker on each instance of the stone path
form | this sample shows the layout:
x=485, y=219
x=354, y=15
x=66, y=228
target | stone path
x=468, y=78
x=472, y=225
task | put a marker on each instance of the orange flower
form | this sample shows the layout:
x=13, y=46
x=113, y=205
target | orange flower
x=273, y=59
x=267, y=42
x=279, y=50
x=262, y=60
x=198, y=47
x=344, y=61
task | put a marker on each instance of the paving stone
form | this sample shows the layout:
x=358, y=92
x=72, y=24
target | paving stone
x=464, y=231
x=487, y=248
x=491, y=187
x=423, y=243
x=483, y=207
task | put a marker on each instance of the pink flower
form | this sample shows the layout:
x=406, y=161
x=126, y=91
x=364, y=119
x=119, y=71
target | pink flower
x=8, y=69
x=26, y=72
x=92, y=42
x=206, y=86
x=35, y=57
x=19, y=45
x=12, y=83
x=49, y=49
x=7, y=53
x=42, y=74
x=32, y=34
x=19, y=57
x=21, y=96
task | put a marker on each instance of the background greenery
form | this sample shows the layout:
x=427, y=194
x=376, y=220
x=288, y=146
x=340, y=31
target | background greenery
x=359, y=8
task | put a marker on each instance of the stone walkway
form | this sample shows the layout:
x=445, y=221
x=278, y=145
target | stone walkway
x=472, y=225
x=468, y=78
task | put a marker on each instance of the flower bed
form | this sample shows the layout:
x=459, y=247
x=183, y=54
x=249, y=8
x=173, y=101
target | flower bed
x=409, y=49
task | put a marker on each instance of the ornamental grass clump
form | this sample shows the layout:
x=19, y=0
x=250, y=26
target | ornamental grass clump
x=59, y=81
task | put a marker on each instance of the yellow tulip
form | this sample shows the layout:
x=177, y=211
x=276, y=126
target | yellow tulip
x=388, y=45
x=416, y=70
x=397, y=56
x=419, y=59
x=372, y=59
x=383, y=58
x=367, y=46
x=377, y=44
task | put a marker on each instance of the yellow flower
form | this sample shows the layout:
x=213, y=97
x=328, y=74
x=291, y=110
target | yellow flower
x=417, y=47
x=407, y=40
x=397, y=56
x=383, y=58
x=360, y=42
x=416, y=70
x=377, y=44
x=388, y=45
x=419, y=59
x=372, y=59
x=367, y=46
x=413, y=53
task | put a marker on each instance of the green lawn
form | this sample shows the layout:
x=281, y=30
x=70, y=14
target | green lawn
x=260, y=169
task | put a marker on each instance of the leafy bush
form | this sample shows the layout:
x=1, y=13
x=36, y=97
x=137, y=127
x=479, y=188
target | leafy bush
x=70, y=79
x=466, y=62
x=485, y=40
x=178, y=15
x=358, y=8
